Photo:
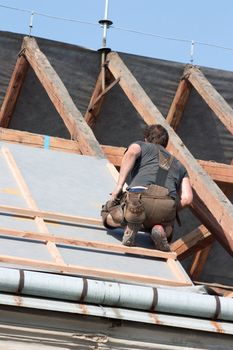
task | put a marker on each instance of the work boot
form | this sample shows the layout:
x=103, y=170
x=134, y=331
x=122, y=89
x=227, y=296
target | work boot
x=130, y=232
x=159, y=238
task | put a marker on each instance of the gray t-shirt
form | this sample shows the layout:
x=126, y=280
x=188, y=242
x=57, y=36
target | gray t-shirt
x=146, y=169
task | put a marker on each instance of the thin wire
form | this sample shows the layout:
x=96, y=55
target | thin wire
x=150, y=34
x=15, y=8
x=66, y=19
x=118, y=28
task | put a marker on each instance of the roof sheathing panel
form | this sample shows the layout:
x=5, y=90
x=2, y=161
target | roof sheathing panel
x=75, y=185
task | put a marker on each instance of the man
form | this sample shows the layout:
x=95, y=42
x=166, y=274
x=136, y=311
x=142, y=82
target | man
x=159, y=187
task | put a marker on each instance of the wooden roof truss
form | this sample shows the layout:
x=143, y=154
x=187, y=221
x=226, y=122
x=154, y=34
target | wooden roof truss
x=210, y=205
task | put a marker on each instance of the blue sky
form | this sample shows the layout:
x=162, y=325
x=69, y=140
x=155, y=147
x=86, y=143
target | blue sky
x=206, y=21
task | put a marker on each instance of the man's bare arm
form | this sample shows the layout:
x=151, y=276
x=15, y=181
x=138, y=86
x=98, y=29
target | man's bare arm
x=127, y=164
x=186, y=193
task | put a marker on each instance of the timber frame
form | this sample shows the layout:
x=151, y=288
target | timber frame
x=210, y=180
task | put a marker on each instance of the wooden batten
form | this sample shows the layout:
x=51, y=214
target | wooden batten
x=210, y=95
x=47, y=237
x=178, y=104
x=114, y=154
x=192, y=242
x=35, y=140
x=219, y=172
x=13, y=91
x=217, y=210
x=61, y=99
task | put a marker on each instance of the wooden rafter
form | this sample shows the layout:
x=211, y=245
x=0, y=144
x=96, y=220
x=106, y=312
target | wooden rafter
x=13, y=90
x=192, y=242
x=217, y=211
x=210, y=95
x=61, y=99
x=199, y=262
x=179, y=102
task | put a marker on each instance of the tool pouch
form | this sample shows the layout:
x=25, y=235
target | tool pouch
x=134, y=211
x=115, y=209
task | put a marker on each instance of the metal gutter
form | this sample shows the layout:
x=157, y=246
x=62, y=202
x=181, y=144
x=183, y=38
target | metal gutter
x=118, y=313
x=106, y=293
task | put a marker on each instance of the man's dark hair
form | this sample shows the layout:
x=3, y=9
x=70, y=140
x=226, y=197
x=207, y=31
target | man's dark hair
x=157, y=134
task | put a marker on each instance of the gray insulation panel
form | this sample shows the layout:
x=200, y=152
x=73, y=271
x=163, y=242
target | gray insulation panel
x=64, y=183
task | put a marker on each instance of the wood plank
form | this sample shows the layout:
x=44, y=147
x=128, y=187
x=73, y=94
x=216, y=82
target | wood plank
x=30, y=201
x=61, y=99
x=50, y=216
x=180, y=275
x=217, y=208
x=192, y=242
x=91, y=244
x=90, y=272
x=211, y=96
x=178, y=104
x=114, y=154
x=218, y=288
x=13, y=91
x=36, y=140
x=219, y=172
x=199, y=262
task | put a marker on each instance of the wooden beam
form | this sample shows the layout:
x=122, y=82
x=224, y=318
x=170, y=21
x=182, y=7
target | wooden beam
x=114, y=154
x=94, y=110
x=199, y=262
x=192, y=242
x=219, y=172
x=61, y=99
x=35, y=140
x=178, y=104
x=218, y=210
x=91, y=272
x=218, y=288
x=13, y=90
x=88, y=244
x=50, y=216
x=210, y=95
x=97, y=99
x=53, y=250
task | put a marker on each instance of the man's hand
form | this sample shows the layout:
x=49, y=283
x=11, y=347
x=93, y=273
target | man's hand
x=127, y=164
x=115, y=193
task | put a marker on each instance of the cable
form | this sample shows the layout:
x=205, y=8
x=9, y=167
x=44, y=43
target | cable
x=117, y=28
x=150, y=34
x=66, y=19
x=15, y=8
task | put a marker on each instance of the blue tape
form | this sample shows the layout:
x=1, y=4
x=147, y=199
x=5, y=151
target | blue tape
x=46, y=142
